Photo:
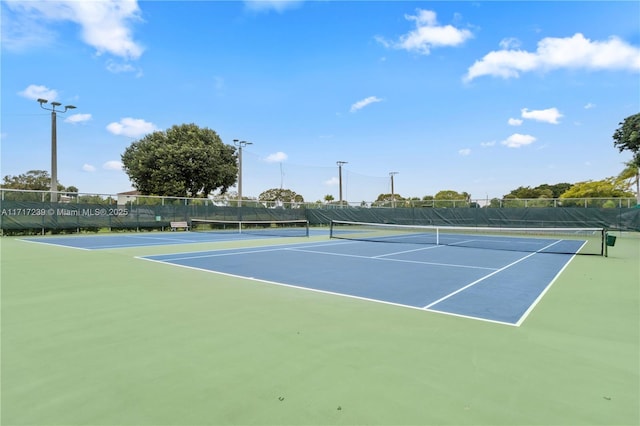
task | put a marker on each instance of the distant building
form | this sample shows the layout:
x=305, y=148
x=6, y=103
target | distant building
x=127, y=197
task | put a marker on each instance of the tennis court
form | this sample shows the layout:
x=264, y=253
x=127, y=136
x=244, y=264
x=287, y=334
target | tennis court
x=500, y=286
x=184, y=328
x=230, y=231
x=492, y=275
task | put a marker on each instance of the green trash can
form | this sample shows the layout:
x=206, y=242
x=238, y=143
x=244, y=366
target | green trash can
x=611, y=240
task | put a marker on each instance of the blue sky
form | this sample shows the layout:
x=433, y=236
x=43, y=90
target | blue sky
x=477, y=97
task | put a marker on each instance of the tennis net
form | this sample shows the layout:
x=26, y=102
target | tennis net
x=543, y=240
x=267, y=228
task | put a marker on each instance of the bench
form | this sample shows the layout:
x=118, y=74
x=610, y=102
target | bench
x=176, y=225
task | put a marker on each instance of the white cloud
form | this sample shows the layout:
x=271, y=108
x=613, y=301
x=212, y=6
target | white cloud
x=19, y=33
x=277, y=157
x=267, y=5
x=106, y=25
x=34, y=91
x=576, y=52
x=509, y=43
x=464, y=151
x=515, y=122
x=487, y=144
x=517, y=140
x=334, y=181
x=427, y=35
x=589, y=105
x=363, y=103
x=549, y=115
x=118, y=67
x=112, y=165
x=131, y=127
x=88, y=168
x=78, y=118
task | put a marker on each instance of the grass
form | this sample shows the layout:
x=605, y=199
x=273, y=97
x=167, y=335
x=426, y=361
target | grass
x=102, y=338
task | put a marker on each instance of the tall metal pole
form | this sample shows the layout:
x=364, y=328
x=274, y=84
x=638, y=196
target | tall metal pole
x=393, y=195
x=54, y=157
x=340, y=164
x=54, y=144
x=240, y=144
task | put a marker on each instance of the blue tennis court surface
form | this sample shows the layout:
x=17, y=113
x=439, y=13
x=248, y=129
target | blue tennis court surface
x=490, y=285
x=142, y=239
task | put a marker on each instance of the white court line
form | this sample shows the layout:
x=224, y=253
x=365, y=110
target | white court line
x=294, y=247
x=232, y=251
x=487, y=276
x=456, y=243
x=139, y=237
x=237, y=252
x=53, y=244
x=405, y=251
x=543, y=292
x=392, y=260
x=315, y=290
x=97, y=246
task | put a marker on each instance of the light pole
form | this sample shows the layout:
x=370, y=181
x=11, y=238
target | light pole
x=340, y=164
x=54, y=144
x=393, y=195
x=240, y=144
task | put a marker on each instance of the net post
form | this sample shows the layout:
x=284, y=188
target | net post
x=331, y=229
x=605, y=247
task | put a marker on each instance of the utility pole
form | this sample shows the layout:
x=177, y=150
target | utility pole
x=54, y=144
x=340, y=164
x=393, y=195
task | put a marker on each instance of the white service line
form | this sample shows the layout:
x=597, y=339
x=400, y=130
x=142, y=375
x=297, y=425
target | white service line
x=405, y=251
x=487, y=276
x=453, y=265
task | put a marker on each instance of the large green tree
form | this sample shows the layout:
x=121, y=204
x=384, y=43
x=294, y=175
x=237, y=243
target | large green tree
x=541, y=191
x=37, y=180
x=612, y=187
x=627, y=137
x=279, y=194
x=449, y=194
x=450, y=198
x=33, y=179
x=631, y=174
x=388, y=200
x=183, y=161
x=389, y=197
